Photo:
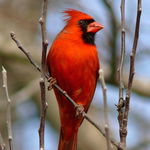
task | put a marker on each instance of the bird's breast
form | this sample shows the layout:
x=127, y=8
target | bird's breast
x=75, y=67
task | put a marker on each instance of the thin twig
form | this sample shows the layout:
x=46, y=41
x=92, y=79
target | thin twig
x=2, y=144
x=120, y=105
x=131, y=73
x=123, y=37
x=43, y=114
x=9, y=126
x=66, y=95
x=104, y=90
x=42, y=22
x=69, y=98
x=27, y=53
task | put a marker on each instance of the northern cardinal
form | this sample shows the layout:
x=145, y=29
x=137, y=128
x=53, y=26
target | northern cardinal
x=73, y=61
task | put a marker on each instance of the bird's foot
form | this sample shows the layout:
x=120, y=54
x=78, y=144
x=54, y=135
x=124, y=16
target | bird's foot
x=121, y=104
x=52, y=81
x=79, y=110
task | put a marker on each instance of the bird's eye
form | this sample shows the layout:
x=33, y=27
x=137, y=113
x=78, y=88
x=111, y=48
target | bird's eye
x=85, y=22
x=81, y=22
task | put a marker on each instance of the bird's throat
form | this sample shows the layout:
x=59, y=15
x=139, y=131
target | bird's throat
x=89, y=37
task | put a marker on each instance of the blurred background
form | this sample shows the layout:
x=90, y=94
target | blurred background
x=21, y=16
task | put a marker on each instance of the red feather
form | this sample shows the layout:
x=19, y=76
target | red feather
x=75, y=66
x=72, y=14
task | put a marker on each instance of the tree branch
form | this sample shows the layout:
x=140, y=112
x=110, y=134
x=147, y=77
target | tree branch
x=44, y=105
x=2, y=144
x=43, y=114
x=42, y=22
x=104, y=90
x=120, y=106
x=131, y=74
x=27, y=53
x=9, y=126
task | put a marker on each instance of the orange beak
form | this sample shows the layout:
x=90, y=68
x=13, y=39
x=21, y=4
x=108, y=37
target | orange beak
x=94, y=27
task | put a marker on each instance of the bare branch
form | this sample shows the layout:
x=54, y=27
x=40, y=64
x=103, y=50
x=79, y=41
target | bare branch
x=131, y=74
x=9, y=126
x=104, y=90
x=120, y=71
x=42, y=22
x=43, y=114
x=25, y=93
x=19, y=45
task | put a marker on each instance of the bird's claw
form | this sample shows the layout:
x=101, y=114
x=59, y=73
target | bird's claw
x=52, y=81
x=79, y=110
x=120, y=105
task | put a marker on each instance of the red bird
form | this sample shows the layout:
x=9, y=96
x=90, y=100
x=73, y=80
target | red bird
x=73, y=61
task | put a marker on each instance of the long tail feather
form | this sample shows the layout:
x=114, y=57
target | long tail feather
x=67, y=144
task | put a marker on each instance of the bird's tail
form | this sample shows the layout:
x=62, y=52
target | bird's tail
x=69, y=143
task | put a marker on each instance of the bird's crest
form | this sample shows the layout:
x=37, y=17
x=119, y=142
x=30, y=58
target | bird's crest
x=72, y=14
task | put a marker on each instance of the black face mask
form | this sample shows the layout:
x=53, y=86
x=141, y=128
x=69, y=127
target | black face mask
x=88, y=37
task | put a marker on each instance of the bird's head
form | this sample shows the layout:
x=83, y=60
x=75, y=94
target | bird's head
x=85, y=23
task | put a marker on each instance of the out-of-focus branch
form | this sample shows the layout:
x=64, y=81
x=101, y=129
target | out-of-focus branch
x=69, y=98
x=140, y=84
x=104, y=90
x=25, y=93
x=112, y=40
x=131, y=75
x=9, y=126
x=2, y=144
x=113, y=141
